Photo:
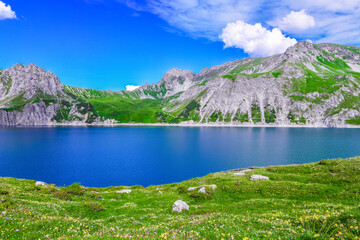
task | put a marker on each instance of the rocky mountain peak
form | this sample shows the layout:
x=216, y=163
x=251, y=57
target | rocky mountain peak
x=28, y=79
x=176, y=74
x=176, y=80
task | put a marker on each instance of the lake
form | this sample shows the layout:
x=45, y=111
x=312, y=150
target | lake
x=113, y=156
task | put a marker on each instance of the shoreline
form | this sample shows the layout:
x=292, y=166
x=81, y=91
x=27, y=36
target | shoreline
x=80, y=124
x=217, y=172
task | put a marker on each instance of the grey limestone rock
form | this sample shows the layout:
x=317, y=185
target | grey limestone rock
x=258, y=177
x=40, y=183
x=180, y=206
x=124, y=191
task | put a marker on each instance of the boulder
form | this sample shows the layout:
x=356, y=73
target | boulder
x=180, y=206
x=202, y=190
x=124, y=191
x=258, y=177
x=192, y=188
x=39, y=183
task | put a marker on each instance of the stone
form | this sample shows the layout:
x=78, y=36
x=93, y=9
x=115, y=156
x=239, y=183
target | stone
x=124, y=191
x=192, y=188
x=213, y=186
x=40, y=183
x=239, y=173
x=180, y=206
x=258, y=177
x=202, y=190
x=244, y=171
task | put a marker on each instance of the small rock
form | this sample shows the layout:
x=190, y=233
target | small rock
x=243, y=172
x=124, y=191
x=213, y=186
x=258, y=177
x=192, y=188
x=202, y=190
x=39, y=183
x=180, y=206
x=160, y=192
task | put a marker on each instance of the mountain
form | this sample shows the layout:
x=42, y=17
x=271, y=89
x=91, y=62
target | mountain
x=31, y=96
x=309, y=84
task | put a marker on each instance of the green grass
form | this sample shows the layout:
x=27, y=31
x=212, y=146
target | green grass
x=250, y=65
x=241, y=117
x=85, y=93
x=277, y=73
x=310, y=201
x=202, y=83
x=354, y=121
x=128, y=110
x=9, y=84
x=15, y=103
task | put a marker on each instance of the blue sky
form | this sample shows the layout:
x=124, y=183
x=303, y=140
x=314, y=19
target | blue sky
x=108, y=44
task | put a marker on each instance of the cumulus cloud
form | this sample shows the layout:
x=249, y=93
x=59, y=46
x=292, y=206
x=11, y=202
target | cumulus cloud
x=336, y=21
x=6, y=12
x=131, y=87
x=255, y=39
x=294, y=22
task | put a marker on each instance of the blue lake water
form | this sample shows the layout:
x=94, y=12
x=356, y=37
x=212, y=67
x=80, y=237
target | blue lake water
x=112, y=156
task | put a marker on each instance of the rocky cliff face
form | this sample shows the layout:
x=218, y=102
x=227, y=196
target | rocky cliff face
x=313, y=84
x=31, y=96
x=310, y=84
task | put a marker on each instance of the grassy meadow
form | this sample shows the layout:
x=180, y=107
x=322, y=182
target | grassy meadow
x=311, y=201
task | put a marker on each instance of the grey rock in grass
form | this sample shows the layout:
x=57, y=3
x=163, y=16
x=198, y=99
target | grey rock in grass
x=192, y=188
x=40, y=183
x=258, y=177
x=124, y=191
x=239, y=173
x=213, y=186
x=243, y=172
x=202, y=190
x=180, y=206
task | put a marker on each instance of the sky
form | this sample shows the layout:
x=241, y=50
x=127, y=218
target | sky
x=116, y=44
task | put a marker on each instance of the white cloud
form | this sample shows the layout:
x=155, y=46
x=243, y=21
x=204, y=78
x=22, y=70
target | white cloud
x=6, y=12
x=199, y=18
x=255, y=39
x=294, y=22
x=131, y=87
x=336, y=20
x=343, y=6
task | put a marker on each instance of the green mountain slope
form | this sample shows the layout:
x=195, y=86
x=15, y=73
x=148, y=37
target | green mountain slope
x=310, y=84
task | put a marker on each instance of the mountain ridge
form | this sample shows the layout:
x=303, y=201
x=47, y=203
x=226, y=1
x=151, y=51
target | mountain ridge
x=309, y=84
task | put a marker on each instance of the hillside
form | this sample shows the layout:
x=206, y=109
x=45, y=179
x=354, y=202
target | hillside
x=310, y=201
x=309, y=84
